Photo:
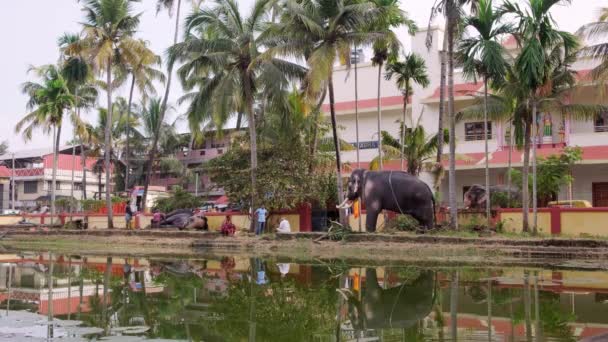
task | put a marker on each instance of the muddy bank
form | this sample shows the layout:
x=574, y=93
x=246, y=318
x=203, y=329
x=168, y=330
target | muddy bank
x=361, y=249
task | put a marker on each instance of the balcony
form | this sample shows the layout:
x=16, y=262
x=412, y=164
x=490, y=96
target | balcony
x=201, y=155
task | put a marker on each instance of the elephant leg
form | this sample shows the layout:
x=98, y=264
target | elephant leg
x=425, y=218
x=372, y=218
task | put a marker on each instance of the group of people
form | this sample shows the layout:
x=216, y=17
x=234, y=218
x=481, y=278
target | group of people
x=260, y=215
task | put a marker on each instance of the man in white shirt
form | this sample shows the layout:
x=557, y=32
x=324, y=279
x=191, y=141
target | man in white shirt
x=284, y=226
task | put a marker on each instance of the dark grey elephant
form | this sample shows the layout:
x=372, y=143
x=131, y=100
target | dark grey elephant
x=398, y=307
x=391, y=190
x=476, y=197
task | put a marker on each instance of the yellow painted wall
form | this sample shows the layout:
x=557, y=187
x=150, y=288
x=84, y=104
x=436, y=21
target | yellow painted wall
x=514, y=222
x=101, y=222
x=591, y=223
x=354, y=222
x=5, y=220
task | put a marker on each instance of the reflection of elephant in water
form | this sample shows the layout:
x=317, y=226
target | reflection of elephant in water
x=391, y=190
x=397, y=307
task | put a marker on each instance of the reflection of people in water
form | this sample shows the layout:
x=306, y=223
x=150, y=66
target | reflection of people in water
x=398, y=307
x=260, y=271
x=283, y=269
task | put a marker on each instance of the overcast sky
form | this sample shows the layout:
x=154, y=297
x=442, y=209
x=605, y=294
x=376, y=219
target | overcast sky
x=29, y=30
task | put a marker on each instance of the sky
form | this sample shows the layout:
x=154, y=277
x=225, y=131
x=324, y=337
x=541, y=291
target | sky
x=29, y=30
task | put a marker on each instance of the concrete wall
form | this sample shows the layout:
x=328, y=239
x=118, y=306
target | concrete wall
x=513, y=222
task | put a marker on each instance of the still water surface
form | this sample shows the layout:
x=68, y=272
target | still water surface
x=47, y=296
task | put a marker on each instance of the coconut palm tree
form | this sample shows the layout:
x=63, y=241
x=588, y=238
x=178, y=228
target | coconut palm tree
x=542, y=46
x=453, y=11
x=77, y=72
x=411, y=69
x=238, y=74
x=49, y=101
x=483, y=55
x=598, y=49
x=417, y=148
x=386, y=47
x=143, y=75
x=167, y=5
x=108, y=28
x=322, y=32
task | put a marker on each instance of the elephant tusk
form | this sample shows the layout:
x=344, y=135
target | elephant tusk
x=345, y=204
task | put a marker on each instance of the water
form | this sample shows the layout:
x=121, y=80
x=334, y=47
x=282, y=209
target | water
x=236, y=298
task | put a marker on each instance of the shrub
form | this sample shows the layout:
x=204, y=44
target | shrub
x=180, y=199
x=405, y=223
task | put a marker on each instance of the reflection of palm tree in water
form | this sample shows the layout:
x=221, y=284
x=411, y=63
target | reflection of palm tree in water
x=397, y=307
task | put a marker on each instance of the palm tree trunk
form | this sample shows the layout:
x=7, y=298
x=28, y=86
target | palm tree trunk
x=334, y=128
x=489, y=300
x=525, y=191
x=108, y=145
x=534, y=183
x=357, y=123
x=106, y=288
x=527, y=306
x=487, y=155
x=50, y=296
x=452, y=118
x=379, y=117
x=163, y=109
x=454, y=288
x=406, y=96
x=509, y=161
x=253, y=141
x=315, y=131
x=441, y=99
x=127, y=150
x=57, y=136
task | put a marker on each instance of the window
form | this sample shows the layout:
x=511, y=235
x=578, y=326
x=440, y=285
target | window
x=601, y=122
x=220, y=151
x=49, y=185
x=202, y=153
x=77, y=186
x=474, y=131
x=30, y=187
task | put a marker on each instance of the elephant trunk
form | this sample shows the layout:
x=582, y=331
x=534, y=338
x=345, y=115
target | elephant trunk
x=345, y=204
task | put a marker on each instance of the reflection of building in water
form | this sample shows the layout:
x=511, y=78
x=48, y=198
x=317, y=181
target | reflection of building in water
x=27, y=277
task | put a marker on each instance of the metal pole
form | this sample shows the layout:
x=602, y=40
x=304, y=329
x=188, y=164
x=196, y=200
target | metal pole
x=13, y=184
x=196, y=185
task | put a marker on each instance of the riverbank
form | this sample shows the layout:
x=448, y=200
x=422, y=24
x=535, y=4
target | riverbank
x=397, y=248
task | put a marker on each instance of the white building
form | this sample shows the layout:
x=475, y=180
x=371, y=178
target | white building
x=591, y=176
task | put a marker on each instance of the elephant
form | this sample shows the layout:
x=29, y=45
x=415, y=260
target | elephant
x=476, y=198
x=198, y=223
x=391, y=190
x=398, y=307
x=179, y=220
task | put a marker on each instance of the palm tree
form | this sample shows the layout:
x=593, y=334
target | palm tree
x=77, y=72
x=108, y=29
x=453, y=12
x=237, y=71
x=417, y=148
x=323, y=32
x=386, y=47
x=168, y=5
x=483, y=55
x=412, y=69
x=143, y=75
x=597, y=50
x=49, y=102
x=542, y=46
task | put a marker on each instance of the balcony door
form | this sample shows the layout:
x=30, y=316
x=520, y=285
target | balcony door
x=600, y=194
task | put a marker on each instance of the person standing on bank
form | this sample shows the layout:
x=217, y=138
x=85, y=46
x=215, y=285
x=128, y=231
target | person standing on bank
x=261, y=222
x=128, y=215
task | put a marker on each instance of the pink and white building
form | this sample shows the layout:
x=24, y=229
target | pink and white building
x=591, y=175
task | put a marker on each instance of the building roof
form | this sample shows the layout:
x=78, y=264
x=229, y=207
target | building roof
x=5, y=172
x=367, y=103
x=462, y=89
x=37, y=153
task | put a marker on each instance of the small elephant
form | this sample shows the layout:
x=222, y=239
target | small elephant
x=391, y=190
x=398, y=307
x=476, y=197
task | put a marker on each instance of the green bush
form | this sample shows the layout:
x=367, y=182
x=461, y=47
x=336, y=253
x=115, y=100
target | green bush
x=405, y=223
x=179, y=199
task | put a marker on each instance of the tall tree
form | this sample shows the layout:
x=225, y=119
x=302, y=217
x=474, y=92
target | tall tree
x=237, y=72
x=49, y=101
x=411, y=69
x=143, y=75
x=168, y=5
x=386, y=47
x=108, y=28
x=322, y=32
x=483, y=55
x=543, y=48
x=77, y=72
x=453, y=12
